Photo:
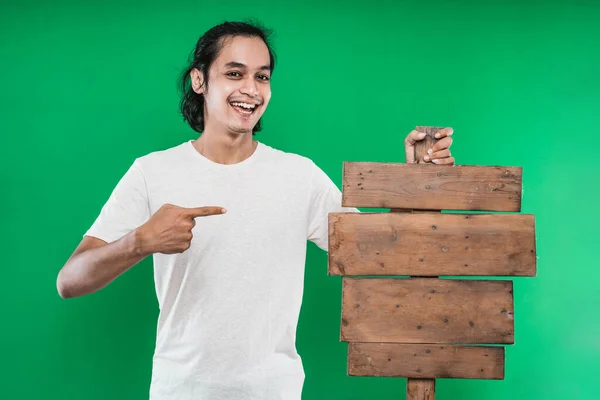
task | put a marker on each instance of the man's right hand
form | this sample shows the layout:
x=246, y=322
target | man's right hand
x=169, y=230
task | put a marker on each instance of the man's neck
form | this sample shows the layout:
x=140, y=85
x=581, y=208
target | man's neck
x=225, y=148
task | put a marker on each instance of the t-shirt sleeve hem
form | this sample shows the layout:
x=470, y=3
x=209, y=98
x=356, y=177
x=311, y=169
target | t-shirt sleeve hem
x=104, y=237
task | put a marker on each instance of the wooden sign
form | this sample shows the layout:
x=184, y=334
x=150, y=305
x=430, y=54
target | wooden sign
x=417, y=325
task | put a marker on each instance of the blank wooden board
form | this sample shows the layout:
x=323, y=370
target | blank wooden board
x=425, y=361
x=431, y=244
x=431, y=187
x=427, y=310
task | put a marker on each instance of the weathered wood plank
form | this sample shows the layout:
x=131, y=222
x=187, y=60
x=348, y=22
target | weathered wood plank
x=425, y=361
x=427, y=310
x=431, y=244
x=421, y=186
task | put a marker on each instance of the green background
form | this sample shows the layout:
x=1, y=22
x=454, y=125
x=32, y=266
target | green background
x=88, y=86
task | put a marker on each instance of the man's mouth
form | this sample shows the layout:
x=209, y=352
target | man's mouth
x=243, y=108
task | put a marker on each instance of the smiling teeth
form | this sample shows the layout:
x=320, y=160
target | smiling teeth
x=245, y=105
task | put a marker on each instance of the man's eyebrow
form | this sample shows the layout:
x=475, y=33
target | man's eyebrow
x=235, y=64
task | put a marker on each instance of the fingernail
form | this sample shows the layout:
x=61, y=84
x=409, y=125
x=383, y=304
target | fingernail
x=223, y=210
x=422, y=134
x=426, y=158
x=429, y=151
x=437, y=135
x=436, y=161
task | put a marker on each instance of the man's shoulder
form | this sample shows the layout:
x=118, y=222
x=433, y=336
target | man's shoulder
x=167, y=155
x=287, y=157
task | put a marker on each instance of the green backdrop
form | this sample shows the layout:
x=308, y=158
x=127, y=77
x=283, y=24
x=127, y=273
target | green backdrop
x=89, y=86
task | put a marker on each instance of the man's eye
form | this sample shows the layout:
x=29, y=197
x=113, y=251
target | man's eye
x=263, y=77
x=234, y=74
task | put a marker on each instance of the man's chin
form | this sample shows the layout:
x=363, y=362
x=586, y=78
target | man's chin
x=240, y=130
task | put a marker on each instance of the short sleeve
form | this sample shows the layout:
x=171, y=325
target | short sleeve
x=325, y=198
x=126, y=209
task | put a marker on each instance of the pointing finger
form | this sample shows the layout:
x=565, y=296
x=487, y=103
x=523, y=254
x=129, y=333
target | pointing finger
x=204, y=211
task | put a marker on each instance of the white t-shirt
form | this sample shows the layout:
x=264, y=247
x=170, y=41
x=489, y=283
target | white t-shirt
x=229, y=305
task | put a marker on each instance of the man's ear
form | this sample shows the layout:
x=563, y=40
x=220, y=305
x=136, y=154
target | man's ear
x=197, y=78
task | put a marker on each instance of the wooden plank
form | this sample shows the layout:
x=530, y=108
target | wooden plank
x=425, y=361
x=427, y=310
x=431, y=244
x=421, y=186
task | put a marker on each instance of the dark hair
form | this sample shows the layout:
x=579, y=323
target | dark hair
x=206, y=51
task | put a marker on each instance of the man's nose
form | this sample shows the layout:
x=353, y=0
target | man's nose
x=249, y=87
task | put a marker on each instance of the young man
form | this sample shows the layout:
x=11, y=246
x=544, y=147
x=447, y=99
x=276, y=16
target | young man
x=227, y=220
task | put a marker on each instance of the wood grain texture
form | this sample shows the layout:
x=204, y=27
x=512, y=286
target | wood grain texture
x=431, y=244
x=425, y=361
x=427, y=187
x=427, y=310
x=420, y=389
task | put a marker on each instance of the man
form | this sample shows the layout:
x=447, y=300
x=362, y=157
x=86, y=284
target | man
x=227, y=220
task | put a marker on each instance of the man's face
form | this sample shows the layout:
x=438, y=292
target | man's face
x=239, y=86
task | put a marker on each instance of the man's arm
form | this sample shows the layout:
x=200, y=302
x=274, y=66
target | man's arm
x=95, y=263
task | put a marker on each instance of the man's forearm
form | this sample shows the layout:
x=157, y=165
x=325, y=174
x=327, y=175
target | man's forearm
x=92, y=269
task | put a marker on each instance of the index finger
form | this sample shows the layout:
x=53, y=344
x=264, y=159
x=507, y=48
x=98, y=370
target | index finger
x=205, y=211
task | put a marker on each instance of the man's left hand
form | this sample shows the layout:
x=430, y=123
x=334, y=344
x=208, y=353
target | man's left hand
x=438, y=154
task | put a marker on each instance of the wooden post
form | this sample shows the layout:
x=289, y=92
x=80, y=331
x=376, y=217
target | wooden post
x=422, y=389
x=424, y=328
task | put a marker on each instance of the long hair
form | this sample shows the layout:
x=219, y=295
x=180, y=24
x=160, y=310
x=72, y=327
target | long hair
x=206, y=51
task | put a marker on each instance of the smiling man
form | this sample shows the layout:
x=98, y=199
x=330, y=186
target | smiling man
x=226, y=219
